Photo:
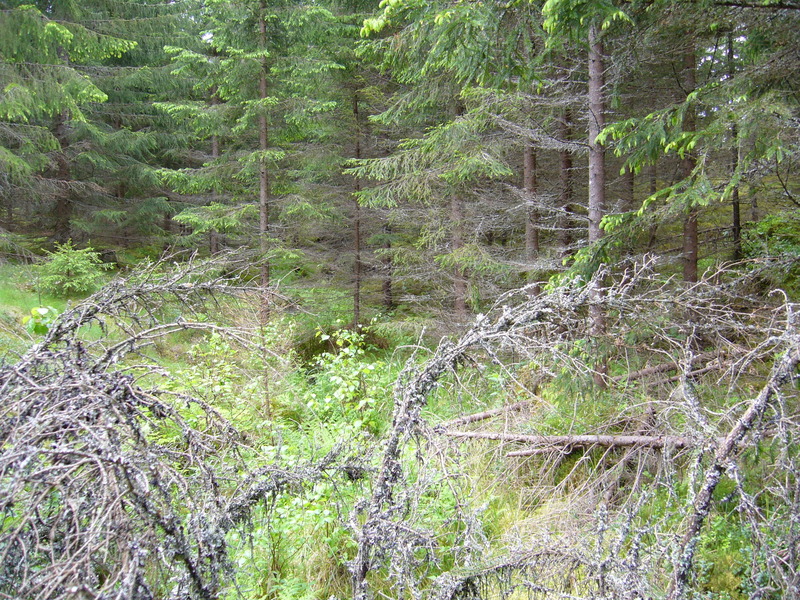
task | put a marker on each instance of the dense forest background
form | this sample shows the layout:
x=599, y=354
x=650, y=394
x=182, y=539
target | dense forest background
x=449, y=299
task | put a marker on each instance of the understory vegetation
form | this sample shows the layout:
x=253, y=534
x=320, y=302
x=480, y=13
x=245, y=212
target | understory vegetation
x=159, y=443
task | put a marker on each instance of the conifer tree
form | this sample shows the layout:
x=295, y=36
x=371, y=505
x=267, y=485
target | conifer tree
x=44, y=102
x=81, y=140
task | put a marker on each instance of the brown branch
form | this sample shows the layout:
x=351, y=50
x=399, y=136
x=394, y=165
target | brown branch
x=661, y=368
x=552, y=441
x=482, y=416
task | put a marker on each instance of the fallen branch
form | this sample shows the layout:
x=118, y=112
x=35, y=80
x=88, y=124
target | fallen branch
x=662, y=368
x=782, y=373
x=552, y=441
x=482, y=416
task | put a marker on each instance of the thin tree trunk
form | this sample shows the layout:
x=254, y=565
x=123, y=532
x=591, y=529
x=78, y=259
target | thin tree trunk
x=388, y=294
x=653, y=189
x=213, y=237
x=628, y=190
x=735, y=205
x=531, y=216
x=357, y=225
x=690, y=241
x=597, y=179
x=63, y=210
x=263, y=204
x=459, y=274
x=565, y=184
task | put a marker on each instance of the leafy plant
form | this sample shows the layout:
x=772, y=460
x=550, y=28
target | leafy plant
x=71, y=271
x=40, y=319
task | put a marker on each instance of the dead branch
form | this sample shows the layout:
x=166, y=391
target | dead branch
x=570, y=441
x=782, y=373
x=482, y=416
x=551, y=333
x=106, y=489
x=662, y=368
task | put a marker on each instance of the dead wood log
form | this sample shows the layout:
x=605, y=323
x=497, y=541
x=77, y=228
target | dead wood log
x=661, y=368
x=566, y=441
x=482, y=416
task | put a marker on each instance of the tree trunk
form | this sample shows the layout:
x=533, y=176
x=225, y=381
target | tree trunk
x=531, y=229
x=597, y=180
x=690, y=241
x=357, y=225
x=735, y=206
x=459, y=274
x=62, y=212
x=388, y=294
x=597, y=176
x=263, y=205
x=263, y=183
x=651, y=242
x=565, y=184
x=213, y=236
x=628, y=190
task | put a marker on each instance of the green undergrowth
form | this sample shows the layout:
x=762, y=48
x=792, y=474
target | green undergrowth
x=307, y=385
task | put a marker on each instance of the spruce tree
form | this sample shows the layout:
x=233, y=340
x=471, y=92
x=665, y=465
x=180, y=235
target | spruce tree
x=81, y=142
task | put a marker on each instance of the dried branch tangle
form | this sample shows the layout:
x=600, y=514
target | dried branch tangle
x=106, y=489
x=693, y=430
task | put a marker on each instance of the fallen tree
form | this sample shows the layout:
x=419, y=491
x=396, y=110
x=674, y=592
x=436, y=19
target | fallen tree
x=606, y=541
x=107, y=489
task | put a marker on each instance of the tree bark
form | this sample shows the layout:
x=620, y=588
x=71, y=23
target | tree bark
x=529, y=185
x=597, y=179
x=690, y=239
x=357, y=267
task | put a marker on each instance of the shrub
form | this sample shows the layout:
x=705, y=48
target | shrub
x=69, y=271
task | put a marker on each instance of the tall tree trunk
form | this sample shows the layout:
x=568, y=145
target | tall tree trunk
x=62, y=212
x=357, y=268
x=735, y=205
x=529, y=184
x=263, y=204
x=628, y=190
x=457, y=242
x=387, y=286
x=690, y=241
x=565, y=185
x=263, y=172
x=213, y=236
x=653, y=176
x=597, y=158
x=597, y=177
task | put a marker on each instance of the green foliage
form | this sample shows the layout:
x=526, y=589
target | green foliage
x=347, y=385
x=70, y=271
x=40, y=319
